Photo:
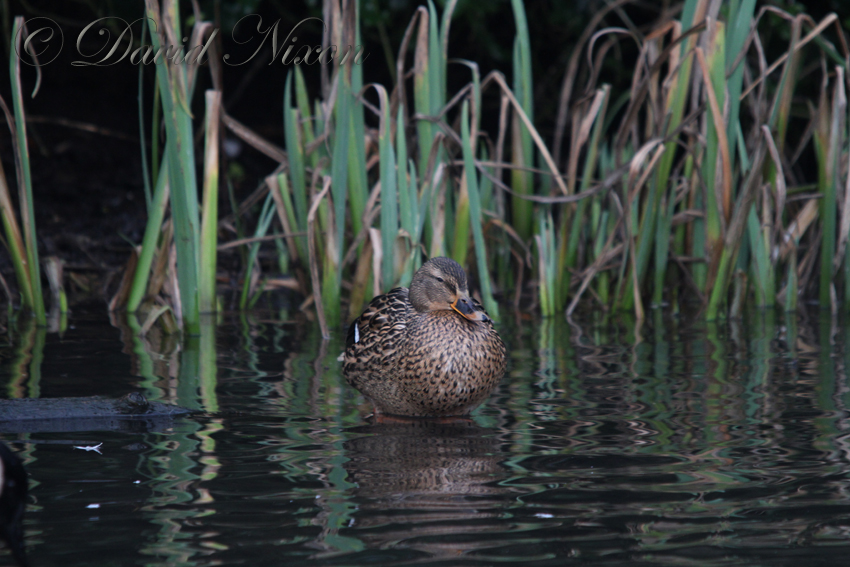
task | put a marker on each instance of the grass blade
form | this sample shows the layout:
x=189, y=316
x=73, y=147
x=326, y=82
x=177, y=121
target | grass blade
x=209, y=221
x=26, y=196
x=475, y=212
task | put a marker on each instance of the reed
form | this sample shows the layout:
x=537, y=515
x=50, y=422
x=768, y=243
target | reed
x=209, y=220
x=685, y=186
x=176, y=184
x=22, y=246
x=521, y=146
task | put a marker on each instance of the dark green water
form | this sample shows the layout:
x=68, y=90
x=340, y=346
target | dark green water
x=680, y=444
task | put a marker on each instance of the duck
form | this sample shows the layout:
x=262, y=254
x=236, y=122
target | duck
x=427, y=351
x=13, y=499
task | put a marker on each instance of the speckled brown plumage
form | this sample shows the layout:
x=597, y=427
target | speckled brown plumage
x=427, y=351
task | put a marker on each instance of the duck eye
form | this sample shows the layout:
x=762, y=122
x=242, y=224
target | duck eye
x=441, y=280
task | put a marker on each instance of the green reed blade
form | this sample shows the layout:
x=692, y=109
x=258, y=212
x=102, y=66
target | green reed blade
x=418, y=214
x=423, y=92
x=718, y=292
x=417, y=203
x=832, y=132
x=406, y=200
x=485, y=184
x=760, y=269
x=389, y=193
x=14, y=242
x=286, y=198
x=522, y=152
x=662, y=247
x=264, y=222
x=156, y=214
x=331, y=276
x=781, y=109
x=546, y=253
x=146, y=179
x=715, y=194
x=295, y=155
x=209, y=220
x=477, y=218
x=602, y=289
x=736, y=37
x=735, y=230
x=462, y=220
x=546, y=309
x=339, y=168
x=437, y=71
x=156, y=123
x=825, y=188
x=26, y=196
x=358, y=184
x=459, y=226
x=181, y=166
x=303, y=104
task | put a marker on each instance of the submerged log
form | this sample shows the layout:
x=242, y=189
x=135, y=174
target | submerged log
x=132, y=412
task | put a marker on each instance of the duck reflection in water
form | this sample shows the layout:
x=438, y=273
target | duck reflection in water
x=426, y=479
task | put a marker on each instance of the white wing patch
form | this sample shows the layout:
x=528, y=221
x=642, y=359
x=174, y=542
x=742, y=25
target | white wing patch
x=356, y=333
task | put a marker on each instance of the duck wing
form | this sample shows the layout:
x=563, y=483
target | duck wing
x=380, y=330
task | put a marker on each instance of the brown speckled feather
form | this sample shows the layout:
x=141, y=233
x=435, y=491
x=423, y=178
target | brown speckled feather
x=380, y=330
x=414, y=363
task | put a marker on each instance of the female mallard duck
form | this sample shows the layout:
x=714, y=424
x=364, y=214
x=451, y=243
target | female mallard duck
x=427, y=351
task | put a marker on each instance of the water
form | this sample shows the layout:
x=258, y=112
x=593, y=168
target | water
x=678, y=444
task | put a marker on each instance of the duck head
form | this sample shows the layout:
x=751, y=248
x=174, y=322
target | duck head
x=440, y=285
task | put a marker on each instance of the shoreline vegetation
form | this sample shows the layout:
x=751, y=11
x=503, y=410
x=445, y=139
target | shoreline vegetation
x=687, y=188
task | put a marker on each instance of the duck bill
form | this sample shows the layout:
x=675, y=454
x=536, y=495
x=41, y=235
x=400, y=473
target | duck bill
x=467, y=309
